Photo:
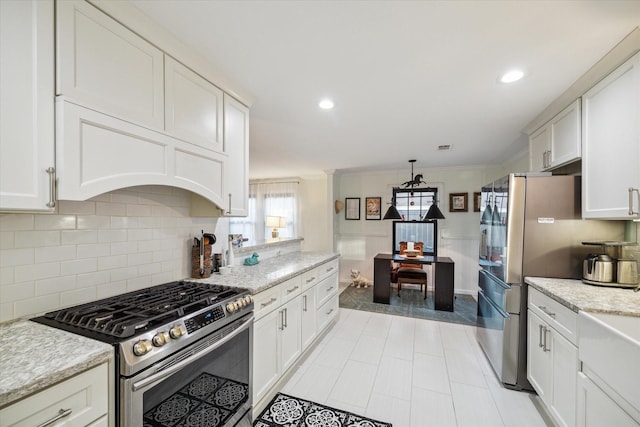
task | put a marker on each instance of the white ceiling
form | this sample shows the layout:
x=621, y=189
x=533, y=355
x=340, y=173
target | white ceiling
x=406, y=76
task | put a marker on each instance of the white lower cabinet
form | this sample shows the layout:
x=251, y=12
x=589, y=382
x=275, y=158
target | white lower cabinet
x=79, y=401
x=552, y=356
x=289, y=317
x=596, y=408
x=308, y=322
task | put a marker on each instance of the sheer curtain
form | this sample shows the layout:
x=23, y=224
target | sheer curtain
x=268, y=198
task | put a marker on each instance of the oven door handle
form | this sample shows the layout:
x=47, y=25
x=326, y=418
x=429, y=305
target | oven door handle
x=170, y=371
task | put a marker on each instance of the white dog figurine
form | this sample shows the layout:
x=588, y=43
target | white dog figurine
x=358, y=281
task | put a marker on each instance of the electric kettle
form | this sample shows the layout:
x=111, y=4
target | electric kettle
x=598, y=268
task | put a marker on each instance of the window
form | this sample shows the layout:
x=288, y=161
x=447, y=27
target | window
x=268, y=199
x=413, y=204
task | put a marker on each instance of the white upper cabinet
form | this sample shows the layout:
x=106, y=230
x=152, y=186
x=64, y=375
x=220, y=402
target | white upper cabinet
x=558, y=141
x=539, y=149
x=130, y=114
x=236, y=146
x=105, y=66
x=193, y=107
x=27, y=174
x=611, y=144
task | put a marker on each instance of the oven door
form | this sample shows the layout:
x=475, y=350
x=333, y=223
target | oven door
x=207, y=383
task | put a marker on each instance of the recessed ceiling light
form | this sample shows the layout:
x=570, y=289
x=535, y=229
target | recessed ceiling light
x=512, y=76
x=326, y=104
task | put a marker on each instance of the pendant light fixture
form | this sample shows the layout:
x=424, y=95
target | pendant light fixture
x=434, y=212
x=392, y=212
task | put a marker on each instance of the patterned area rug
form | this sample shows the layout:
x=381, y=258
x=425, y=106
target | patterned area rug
x=411, y=303
x=294, y=412
x=208, y=401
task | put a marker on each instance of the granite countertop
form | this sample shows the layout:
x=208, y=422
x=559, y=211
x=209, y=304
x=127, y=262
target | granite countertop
x=35, y=356
x=579, y=296
x=270, y=272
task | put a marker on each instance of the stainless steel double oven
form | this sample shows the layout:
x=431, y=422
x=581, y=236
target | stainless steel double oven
x=183, y=352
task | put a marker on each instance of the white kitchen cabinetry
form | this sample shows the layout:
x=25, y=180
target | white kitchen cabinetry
x=105, y=66
x=552, y=356
x=193, y=107
x=596, y=408
x=129, y=114
x=558, y=141
x=27, y=179
x=611, y=145
x=80, y=400
x=236, y=166
x=288, y=320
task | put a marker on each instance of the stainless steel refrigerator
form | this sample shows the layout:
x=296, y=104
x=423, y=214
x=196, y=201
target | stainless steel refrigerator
x=530, y=225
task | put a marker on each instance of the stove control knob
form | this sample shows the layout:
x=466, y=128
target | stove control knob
x=241, y=302
x=231, y=307
x=142, y=347
x=160, y=339
x=248, y=299
x=177, y=331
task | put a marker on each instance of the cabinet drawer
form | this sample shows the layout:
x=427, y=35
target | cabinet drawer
x=290, y=289
x=326, y=312
x=266, y=301
x=559, y=317
x=327, y=288
x=310, y=278
x=328, y=268
x=84, y=397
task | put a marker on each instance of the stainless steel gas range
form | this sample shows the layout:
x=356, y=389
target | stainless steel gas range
x=183, y=352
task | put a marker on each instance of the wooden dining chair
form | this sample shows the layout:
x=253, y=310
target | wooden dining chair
x=411, y=273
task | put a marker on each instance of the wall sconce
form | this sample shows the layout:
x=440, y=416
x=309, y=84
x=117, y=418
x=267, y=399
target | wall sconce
x=275, y=222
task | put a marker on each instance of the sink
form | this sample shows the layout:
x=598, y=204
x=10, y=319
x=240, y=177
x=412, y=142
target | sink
x=609, y=345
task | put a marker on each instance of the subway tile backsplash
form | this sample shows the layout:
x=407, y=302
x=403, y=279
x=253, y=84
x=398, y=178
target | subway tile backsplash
x=114, y=243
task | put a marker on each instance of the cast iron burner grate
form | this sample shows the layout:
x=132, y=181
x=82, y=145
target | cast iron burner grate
x=127, y=314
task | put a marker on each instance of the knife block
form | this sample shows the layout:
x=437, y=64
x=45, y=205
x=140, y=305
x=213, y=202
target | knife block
x=195, y=262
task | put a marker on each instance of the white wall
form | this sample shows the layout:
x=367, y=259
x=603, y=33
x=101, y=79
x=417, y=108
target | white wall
x=359, y=241
x=113, y=243
x=315, y=211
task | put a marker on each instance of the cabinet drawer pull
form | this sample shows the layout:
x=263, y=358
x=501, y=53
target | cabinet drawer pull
x=271, y=301
x=292, y=289
x=281, y=313
x=304, y=303
x=311, y=279
x=52, y=187
x=329, y=269
x=329, y=312
x=286, y=321
x=547, y=312
x=631, y=211
x=61, y=414
x=329, y=288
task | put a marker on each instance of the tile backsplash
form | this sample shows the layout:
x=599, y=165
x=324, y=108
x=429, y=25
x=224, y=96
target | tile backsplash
x=114, y=243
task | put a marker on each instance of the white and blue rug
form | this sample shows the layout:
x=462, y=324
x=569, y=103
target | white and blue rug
x=289, y=411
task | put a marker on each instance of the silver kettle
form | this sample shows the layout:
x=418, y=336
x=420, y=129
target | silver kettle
x=598, y=268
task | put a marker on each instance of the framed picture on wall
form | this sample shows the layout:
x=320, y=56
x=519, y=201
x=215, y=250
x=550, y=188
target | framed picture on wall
x=352, y=208
x=373, y=207
x=458, y=202
x=477, y=199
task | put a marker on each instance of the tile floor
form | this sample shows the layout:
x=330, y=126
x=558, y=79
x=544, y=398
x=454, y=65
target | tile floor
x=410, y=372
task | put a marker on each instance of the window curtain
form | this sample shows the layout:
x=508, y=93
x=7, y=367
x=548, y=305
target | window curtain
x=268, y=199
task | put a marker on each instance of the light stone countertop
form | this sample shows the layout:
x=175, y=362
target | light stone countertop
x=270, y=272
x=35, y=356
x=579, y=296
